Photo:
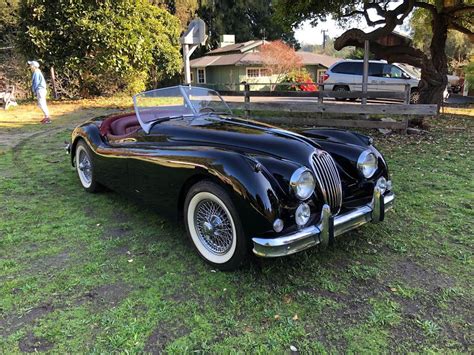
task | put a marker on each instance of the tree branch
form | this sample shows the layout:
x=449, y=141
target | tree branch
x=460, y=8
x=374, y=5
x=366, y=16
x=458, y=27
x=426, y=6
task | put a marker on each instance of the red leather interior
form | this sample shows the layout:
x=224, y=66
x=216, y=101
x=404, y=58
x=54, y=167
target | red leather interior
x=119, y=126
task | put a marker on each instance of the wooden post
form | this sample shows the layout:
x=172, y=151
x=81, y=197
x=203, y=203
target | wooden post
x=405, y=125
x=53, y=81
x=320, y=94
x=407, y=94
x=246, y=98
x=365, y=77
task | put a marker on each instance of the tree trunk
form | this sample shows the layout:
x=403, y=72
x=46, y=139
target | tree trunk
x=435, y=69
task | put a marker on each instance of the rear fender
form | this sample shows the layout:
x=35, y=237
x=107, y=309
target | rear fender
x=89, y=132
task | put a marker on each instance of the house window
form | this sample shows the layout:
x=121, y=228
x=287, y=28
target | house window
x=192, y=76
x=265, y=72
x=253, y=73
x=258, y=72
x=201, y=76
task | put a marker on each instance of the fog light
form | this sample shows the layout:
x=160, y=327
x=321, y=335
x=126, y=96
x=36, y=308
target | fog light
x=302, y=214
x=382, y=184
x=278, y=225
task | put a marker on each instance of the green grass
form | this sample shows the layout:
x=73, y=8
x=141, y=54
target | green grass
x=95, y=273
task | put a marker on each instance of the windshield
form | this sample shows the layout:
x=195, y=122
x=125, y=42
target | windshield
x=413, y=71
x=178, y=101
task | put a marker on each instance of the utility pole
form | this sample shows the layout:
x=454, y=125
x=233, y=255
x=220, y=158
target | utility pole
x=324, y=38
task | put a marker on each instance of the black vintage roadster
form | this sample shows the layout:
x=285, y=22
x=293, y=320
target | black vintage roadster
x=239, y=185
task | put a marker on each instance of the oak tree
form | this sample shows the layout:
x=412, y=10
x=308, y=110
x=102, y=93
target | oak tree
x=385, y=15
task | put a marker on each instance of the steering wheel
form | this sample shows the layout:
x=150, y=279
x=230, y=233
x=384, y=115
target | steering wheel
x=207, y=109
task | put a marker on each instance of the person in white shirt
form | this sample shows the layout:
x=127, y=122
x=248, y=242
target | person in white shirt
x=38, y=86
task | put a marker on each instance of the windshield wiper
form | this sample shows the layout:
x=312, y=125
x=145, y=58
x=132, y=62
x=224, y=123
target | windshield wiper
x=213, y=113
x=163, y=119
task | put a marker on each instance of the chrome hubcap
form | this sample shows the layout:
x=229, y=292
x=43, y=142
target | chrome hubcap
x=213, y=227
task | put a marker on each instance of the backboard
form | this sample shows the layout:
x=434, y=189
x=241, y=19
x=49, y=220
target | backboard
x=195, y=34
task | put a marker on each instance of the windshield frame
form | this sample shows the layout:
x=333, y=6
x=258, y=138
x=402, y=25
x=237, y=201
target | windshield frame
x=147, y=125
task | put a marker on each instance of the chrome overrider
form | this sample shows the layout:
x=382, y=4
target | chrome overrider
x=327, y=229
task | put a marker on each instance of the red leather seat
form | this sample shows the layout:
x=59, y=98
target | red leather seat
x=119, y=126
x=124, y=125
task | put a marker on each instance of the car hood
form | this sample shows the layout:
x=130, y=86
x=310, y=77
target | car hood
x=237, y=134
x=260, y=141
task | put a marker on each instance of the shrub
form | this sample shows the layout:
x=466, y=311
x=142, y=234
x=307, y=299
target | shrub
x=101, y=46
x=299, y=76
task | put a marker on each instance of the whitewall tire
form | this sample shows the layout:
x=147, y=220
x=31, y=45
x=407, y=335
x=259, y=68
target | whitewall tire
x=214, y=227
x=85, y=167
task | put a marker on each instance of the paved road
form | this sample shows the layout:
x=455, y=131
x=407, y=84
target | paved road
x=453, y=99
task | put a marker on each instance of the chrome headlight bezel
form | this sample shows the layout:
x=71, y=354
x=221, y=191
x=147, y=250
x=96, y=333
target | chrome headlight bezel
x=367, y=163
x=296, y=181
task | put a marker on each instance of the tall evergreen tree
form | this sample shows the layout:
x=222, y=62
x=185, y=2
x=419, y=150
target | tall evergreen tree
x=246, y=19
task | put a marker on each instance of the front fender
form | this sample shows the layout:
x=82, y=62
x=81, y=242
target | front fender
x=255, y=195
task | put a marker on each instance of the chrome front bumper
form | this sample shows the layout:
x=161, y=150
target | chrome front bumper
x=327, y=229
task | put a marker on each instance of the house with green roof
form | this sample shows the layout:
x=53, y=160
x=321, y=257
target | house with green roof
x=226, y=67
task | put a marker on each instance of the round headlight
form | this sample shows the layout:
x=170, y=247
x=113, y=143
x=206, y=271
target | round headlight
x=302, y=182
x=302, y=214
x=367, y=163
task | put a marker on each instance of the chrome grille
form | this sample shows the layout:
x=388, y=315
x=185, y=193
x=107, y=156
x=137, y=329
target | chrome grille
x=328, y=179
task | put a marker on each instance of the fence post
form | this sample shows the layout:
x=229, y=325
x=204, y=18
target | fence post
x=246, y=98
x=407, y=94
x=320, y=94
x=405, y=125
x=365, y=76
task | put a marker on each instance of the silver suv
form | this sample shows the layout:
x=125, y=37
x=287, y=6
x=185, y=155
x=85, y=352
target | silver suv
x=346, y=75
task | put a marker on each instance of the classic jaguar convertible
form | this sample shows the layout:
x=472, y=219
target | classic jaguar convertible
x=237, y=184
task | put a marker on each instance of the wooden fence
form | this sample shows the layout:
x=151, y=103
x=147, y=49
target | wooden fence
x=318, y=108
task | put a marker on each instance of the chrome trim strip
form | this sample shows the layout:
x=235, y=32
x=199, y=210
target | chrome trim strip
x=323, y=232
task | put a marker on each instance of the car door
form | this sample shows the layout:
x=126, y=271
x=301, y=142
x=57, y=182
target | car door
x=112, y=161
x=393, y=76
x=375, y=76
x=153, y=178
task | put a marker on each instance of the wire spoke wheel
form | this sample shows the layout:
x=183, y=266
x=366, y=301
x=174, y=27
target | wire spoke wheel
x=213, y=227
x=415, y=97
x=85, y=167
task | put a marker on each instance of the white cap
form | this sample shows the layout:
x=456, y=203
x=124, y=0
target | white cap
x=33, y=63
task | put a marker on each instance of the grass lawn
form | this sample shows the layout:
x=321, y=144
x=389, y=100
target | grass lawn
x=95, y=273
